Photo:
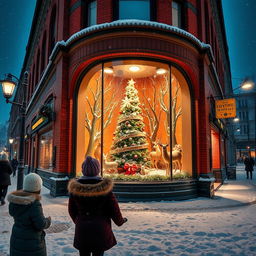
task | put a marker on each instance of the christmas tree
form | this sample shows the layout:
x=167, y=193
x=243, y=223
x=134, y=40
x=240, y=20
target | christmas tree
x=130, y=144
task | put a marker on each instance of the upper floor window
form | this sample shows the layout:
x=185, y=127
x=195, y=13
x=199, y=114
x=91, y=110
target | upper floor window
x=176, y=14
x=92, y=13
x=52, y=32
x=134, y=9
x=43, y=54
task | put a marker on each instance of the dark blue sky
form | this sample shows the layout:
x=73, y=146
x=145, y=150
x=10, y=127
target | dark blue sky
x=16, y=17
x=240, y=20
x=15, y=22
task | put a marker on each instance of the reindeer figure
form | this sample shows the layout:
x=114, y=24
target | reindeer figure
x=176, y=157
x=155, y=155
x=109, y=166
x=166, y=157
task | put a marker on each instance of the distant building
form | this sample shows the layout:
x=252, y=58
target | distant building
x=80, y=57
x=245, y=129
x=3, y=136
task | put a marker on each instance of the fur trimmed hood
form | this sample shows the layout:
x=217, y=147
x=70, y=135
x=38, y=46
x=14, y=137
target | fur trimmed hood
x=90, y=190
x=22, y=197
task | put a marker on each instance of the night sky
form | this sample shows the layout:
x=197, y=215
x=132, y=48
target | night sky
x=16, y=17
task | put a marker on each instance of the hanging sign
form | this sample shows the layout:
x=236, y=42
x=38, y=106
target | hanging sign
x=225, y=108
x=39, y=123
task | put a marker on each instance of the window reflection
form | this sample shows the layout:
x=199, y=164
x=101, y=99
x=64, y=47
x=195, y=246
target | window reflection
x=134, y=9
x=45, y=150
x=176, y=14
x=146, y=120
x=92, y=13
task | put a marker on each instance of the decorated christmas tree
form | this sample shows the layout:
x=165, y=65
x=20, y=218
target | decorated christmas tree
x=130, y=145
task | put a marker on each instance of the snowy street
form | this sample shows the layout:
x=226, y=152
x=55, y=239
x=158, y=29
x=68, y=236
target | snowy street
x=221, y=226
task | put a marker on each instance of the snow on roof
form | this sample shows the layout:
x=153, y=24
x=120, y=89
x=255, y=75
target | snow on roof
x=137, y=23
x=115, y=24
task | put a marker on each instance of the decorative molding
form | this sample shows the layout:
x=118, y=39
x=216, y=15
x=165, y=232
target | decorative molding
x=38, y=31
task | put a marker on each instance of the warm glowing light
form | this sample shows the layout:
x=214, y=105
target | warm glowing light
x=11, y=140
x=236, y=119
x=247, y=85
x=161, y=71
x=8, y=88
x=248, y=147
x=37, y=123
x=134, y=68
x=108, y=70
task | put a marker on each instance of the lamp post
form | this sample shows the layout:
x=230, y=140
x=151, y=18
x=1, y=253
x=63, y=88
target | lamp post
x=247, y=84
x=10, y=142
x=8, y=86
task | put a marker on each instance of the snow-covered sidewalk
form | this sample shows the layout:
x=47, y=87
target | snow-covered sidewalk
x=189, y=227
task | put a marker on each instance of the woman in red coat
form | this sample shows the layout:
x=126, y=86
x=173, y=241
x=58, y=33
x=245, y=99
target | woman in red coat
x=92, y=205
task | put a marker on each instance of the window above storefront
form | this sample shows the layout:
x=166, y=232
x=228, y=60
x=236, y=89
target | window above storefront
x=176, y=14
x=134, y=9
x=92, y=13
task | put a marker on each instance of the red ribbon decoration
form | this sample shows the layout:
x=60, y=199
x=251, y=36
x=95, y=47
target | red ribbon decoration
x=130, y=169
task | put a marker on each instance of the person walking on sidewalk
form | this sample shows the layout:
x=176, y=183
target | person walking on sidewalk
x=14, y=164
x=249, y=163
x=28, y=236
x=91, y=206
x=5, y=172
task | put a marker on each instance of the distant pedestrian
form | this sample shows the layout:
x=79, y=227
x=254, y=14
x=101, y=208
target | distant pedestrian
x=5, y=172
x=249, y=163
x=14, y=164
x=28, y=236
x=92, y=205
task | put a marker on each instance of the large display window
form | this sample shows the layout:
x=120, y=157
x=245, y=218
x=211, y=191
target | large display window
x=134, y=116
x=45, y=150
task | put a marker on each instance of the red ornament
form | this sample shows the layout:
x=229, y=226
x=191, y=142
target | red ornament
x=135, y=156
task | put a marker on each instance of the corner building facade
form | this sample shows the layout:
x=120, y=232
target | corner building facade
x=131, y=83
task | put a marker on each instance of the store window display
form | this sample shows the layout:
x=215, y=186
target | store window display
x=131, y=115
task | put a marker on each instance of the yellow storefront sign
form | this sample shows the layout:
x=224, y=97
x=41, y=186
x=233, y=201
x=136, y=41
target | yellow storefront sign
x=37, y=123
x=225, y=108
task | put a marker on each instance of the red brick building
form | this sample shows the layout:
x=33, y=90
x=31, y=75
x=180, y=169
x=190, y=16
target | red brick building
x=86, y=59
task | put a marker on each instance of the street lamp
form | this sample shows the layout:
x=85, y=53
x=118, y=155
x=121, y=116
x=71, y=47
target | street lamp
x=8, y=86
x=246, y=84
x=10, y=142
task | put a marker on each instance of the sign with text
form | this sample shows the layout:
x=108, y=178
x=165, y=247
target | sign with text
x=225, y=108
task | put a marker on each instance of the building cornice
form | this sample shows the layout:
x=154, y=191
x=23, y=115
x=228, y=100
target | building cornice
x=120, y=25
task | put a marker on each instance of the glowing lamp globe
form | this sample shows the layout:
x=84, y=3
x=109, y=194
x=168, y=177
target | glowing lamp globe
x=8, y=87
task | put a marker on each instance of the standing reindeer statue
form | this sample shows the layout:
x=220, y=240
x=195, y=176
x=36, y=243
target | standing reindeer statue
x=155, y=155
x=176, y=157
x=110, y=167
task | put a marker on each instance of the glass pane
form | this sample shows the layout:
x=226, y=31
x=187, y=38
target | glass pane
x=136, y=120
x=134, y=9
x=176, y=14
x=181, y=126
x=45, y=150
x=92, y=13
x=89, y=117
